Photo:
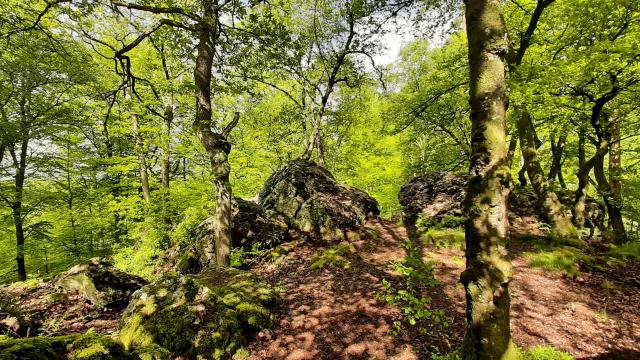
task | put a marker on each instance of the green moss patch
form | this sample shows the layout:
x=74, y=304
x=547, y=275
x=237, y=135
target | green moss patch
x=560, y=259
x=208, y=315
x=75, y=347
x=335, y=256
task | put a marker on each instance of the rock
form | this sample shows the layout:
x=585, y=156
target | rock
x=312, y=201
x=75, y=347
x=252, y=228
x=100, y=282
x=207, y=316
x=440, y=194
x=13, y=321
x=435, y=195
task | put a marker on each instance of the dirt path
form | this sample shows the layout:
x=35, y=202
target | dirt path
x=333, y=314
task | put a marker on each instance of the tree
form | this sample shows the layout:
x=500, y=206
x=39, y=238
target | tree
x=206, y=28
x=488, y=272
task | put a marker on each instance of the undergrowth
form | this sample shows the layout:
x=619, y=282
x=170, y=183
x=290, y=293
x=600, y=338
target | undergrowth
x=335, y=256
x=408, y=293
x=534, y=353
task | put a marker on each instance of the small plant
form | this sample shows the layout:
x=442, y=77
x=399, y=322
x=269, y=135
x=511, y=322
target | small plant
x=417, y=276
x=451, y=221
x=445, y=238
x=602, y=315
x=334, y=256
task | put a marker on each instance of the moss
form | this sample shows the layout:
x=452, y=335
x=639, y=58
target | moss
x=335, y=256
x=75, y=347
x=188, y=263
x=561, y=259
x=207, y=315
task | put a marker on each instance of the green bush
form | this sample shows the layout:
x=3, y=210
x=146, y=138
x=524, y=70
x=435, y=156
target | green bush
x=630, y=250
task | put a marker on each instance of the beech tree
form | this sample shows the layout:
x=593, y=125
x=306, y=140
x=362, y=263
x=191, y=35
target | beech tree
x=488, y=272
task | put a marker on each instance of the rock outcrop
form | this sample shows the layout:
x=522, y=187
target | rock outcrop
x=251, y=227
x=311, y=200
x=100, y=282
x=204, y=316
x=435, y=195
x=441, y=194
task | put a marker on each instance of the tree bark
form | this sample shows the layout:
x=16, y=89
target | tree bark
x=166, y=161
x=579, y=203
x=614, y=206
x=216, y=144
x=488, y=272
x=562, y=230
x=20, y=164
x=557, y=151
x=139, y=149
x=605, y=188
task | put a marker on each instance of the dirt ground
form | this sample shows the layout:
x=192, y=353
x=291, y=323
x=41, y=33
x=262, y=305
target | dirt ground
x=333, y=313
x=329, y=314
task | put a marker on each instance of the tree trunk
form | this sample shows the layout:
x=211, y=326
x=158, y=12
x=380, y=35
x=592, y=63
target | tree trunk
x=215, y=144
x=557, y=151
x=166, y=162
x=486, y=278
x=16, y=207
x=562, y=229
x=579, y=204
x=139, y=148
x=513, y=144
x=614, y=206
x=605, y=188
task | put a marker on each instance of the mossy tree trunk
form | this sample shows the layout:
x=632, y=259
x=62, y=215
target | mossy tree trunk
x=216, y=144
x=562, y=229
x=615, y=170
x=139, y=148
x=609, y=188
x=557, y=152
x=486, y=278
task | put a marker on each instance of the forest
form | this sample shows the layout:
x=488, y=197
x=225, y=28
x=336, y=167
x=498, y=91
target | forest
x=320, y=179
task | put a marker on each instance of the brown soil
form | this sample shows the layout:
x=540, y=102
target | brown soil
x=333, y=313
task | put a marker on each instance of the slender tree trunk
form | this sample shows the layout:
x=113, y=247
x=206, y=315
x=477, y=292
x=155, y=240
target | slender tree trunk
x=579, y=204
x=562, y=229
x=166, y=161
x=513, y=144
x=20, y=164
x=142, y=161
x=604, y=185
x=615, y=203
x=488, y=272
x=72, y=222
x=216, y=144
x=557, y=151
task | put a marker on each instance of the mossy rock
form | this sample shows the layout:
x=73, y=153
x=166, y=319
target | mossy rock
x=208, y=315
x=74, y=347
x=252, y=229
x=311, y=200
x=100, y=282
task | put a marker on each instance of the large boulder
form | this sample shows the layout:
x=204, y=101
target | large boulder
x=435, y=195
x=311, y=200
x=207, y=316
x=100, y=282
x=252, y=227
x=441, y=194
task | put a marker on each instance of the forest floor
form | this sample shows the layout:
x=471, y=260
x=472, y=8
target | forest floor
x=329, y=314
x=336, y=312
